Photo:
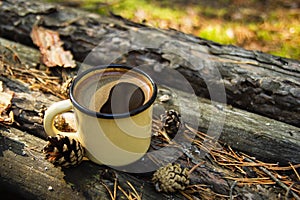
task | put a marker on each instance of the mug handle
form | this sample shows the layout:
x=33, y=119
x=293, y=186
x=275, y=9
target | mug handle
x=51, y=112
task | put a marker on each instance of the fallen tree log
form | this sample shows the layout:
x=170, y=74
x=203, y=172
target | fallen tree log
x=251, y=133
x=25, y=172
x=21, y=151
x=254, y=81
x=22, y=164
x=27, y=175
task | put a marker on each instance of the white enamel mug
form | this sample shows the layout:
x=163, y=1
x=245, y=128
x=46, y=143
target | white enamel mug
x=116, y=138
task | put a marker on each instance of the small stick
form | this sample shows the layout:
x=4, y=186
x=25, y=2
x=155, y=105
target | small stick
x=275, y=179
x=207, y=190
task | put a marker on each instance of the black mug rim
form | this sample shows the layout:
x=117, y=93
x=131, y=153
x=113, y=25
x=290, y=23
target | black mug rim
x=116, y=115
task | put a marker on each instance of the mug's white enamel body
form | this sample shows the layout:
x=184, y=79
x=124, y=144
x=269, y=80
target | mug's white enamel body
x=115, y=139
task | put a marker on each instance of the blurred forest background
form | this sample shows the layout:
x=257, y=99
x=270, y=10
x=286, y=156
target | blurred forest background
x=271, y=26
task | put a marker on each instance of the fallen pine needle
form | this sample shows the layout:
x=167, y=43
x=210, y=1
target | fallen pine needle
x=275, y=179
x=186, y=195
x=295, y=171
x=276, y=168
x=109, y=191
x=134, y=190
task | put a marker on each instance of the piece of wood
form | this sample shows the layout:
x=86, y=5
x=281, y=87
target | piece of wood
x=255, y=81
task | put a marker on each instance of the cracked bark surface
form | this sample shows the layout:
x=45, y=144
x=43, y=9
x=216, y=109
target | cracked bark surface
x=254, y=81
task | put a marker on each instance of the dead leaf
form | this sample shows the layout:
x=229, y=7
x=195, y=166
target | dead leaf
x=51, y=48
x=6, y=96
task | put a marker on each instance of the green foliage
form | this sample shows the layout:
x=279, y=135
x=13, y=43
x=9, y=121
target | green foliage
x=248, y=25
x=217, y=33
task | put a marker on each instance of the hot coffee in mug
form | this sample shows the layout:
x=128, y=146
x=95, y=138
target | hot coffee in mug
x=113, y=112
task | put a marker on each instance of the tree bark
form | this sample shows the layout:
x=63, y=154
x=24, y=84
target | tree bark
x=22, y=165
x=85, y=181
x=251, y=133
x=255, y=81
x=27, y=175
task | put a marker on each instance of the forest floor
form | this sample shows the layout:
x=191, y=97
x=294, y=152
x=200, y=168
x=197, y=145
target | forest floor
x=271, y=26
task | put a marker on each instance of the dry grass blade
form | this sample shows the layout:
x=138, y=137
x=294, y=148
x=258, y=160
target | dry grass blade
x=286, y=168
x=195, y=167
x=115, y=188
x=294, y=169
x=200, y=134
x=262, y=181
x=123, y=191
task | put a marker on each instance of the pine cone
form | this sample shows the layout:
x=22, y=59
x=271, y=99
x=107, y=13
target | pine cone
x=62, y=151
x=171, y=122
x=170, y=178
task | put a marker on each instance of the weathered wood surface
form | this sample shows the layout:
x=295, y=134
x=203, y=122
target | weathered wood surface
x=254, y=81
x=30, y=175
x=25, y=173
